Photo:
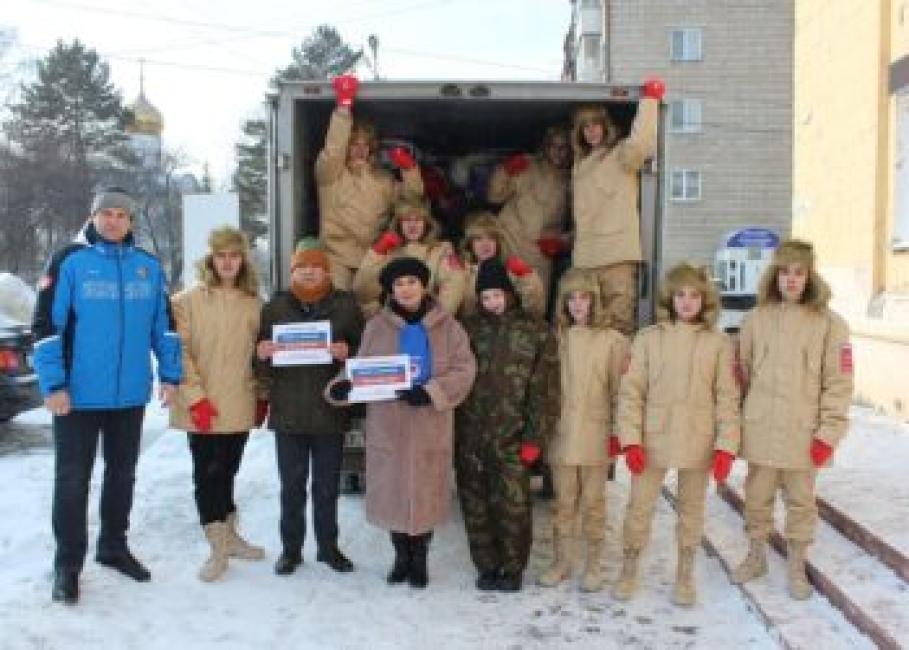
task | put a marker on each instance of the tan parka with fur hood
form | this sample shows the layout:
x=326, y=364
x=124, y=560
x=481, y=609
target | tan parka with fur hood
x=354, y=203
x=529, y=287
x=591, y=360
x=605, y=187
x=448, y=276
x=797, y=364
x=679, y=398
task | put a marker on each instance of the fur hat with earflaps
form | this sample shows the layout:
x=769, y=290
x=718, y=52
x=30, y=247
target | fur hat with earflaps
x=223, y=239
x=696, y=277
x=794, y=251
x=584, y=115
x=482, y=224
x=576, y=279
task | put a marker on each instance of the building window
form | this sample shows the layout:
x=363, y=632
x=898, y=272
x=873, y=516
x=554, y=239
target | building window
x=685, y=44
x=901, y=175
x=685, y=185
x=591, y=48
x=685, y=115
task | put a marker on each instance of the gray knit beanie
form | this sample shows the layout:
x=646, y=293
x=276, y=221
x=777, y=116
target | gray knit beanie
x=113, y=197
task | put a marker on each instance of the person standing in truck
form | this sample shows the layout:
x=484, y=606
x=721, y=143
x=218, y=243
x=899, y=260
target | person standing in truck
x=102, y=311
x=796, y=364
x=355, y=195
x=605, y=188
x=413, y=233
x=534, y=191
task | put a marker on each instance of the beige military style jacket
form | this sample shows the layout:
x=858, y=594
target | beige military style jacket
x=605, y=195
x=354, y=204
x=217, y=329
x=679, y=398
x=591, y=364
x=797, y=363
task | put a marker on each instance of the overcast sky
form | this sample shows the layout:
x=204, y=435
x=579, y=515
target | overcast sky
x=208, y=61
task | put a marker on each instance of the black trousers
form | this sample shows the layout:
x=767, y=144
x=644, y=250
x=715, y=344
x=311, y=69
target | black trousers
x=295, y=451
x=216, y=461
x=75, y=445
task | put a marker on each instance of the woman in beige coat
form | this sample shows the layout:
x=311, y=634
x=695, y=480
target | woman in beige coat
x=605, y=188
x=355, y=194
x=796, y=362
x=483, y=240
x=592, y=357
x=217, y=320
x=413, y=233
x=678, y=409
x=409, y=440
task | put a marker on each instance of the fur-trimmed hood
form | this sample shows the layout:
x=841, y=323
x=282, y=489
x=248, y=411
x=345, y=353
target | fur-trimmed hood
x=405, y=207
x=480, y=224
x=584, y=115
x=576, y=279
x=794, y=251
x=689, y=275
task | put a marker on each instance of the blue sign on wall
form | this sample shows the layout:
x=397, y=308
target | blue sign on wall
x=753, y=238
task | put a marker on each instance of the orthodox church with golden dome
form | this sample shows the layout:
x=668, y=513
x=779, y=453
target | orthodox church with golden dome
x=144, y=126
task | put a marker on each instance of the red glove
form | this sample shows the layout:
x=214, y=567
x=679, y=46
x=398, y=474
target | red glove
x=530, y=452
x=516, y=164
x=345, y=87
x=613, y=446
x=387, y=243
x=551, y=246
x=820, y=452
x=402, y=158
x=202, y=413
x=519, y=267
x=635, y=459
x=654, y=88
x=722, y=465
x=261, y=412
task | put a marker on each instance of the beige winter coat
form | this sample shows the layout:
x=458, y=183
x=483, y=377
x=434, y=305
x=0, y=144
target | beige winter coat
x=217, y=329
x=446, y=282
x=354, y=204
x=536, y=201
x=798, y=367
x=529, y=288
x=605, y=190
x=591, y=363
x=409, y=448
x=679, y=398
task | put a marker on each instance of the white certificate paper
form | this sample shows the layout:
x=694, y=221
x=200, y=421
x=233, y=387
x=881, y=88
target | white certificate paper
x=301, y=344
x=375, y=379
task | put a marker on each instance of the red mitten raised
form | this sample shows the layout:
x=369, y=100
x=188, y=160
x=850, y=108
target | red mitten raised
x=345, y=87
x=820, y=452
x=613, y=446
x=519, y=267
x=635, y=459
x=530, y=452
x=654, y=88
x=401, y=158
x=722, y=465
x=516, y=164
x=202, y=413
x=551, y=246
x=261, y=412
x=387, y=243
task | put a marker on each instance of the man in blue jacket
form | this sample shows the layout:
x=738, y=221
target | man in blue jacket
x=102, y=309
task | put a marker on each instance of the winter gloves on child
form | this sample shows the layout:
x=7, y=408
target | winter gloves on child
x=654, y=88
x=722, y=465
x=202, y=413
x=516, y=164
x=345, y=87
x=820, y=452
x=635, y=459
x=402, y=159
x=530, y=452
x=387, y=243
x=517, y=266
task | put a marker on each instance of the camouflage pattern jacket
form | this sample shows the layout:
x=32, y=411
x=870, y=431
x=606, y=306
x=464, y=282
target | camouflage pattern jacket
x=511, y=401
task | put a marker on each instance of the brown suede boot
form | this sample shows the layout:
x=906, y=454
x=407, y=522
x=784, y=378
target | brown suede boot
x=799, y=587
x=560, y=568
x=237, y=546
x=216, y=564
x=685, y=593
x=628, y=580
x=754, y=565
x=592, y=580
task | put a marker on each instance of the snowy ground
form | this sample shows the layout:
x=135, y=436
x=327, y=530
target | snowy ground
x=316, y=608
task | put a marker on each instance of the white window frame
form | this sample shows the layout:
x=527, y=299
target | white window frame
x=691, y=189
x=900, y=237
x=691, y=115
x=692, y=44
x=591, y=47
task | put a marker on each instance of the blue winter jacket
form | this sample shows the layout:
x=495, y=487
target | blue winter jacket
x=102, y=309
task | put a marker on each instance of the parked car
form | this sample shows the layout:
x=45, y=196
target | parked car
x=18, y=380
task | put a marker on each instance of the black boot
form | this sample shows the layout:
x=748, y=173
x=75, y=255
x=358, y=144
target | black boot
x=419, y=546
x=401, y=568
x=333, y=557
x=288, y=562
x=66, y=586
x=488, y=580
x=509, y=582
x=124, y=562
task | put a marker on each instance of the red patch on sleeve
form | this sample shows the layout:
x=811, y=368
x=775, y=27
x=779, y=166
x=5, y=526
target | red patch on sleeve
x=45, y=282
x=846, y=358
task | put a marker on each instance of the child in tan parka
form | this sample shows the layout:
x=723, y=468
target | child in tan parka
x=678, y=409
x=412, y=233
x=592, y=357
x=796, y=365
